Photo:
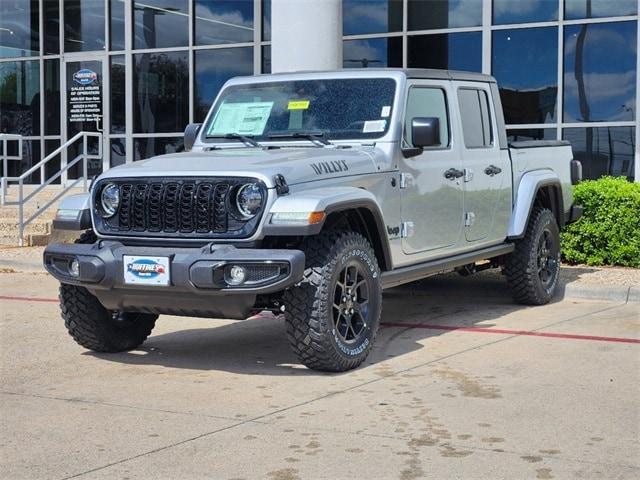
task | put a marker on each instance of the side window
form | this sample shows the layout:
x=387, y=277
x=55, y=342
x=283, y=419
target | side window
x=476, y=119
x=427, y=102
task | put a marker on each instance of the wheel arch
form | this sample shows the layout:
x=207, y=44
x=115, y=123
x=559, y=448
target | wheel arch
x=539, y=188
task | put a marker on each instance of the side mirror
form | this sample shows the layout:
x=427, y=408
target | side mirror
x=425, y=132
x=190, y=135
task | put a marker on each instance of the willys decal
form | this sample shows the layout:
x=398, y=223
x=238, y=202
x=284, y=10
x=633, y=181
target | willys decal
x=334, y=166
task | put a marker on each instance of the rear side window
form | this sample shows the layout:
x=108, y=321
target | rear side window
x=427, y=102
x=476, y=121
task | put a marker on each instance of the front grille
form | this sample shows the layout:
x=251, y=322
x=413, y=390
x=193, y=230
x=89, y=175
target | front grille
x=191, y=208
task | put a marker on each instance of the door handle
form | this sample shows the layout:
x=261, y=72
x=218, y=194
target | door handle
x=453, y=173
x=492, y=170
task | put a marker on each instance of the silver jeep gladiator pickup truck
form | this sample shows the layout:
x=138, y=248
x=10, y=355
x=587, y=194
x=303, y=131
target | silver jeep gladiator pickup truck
x=307, y=194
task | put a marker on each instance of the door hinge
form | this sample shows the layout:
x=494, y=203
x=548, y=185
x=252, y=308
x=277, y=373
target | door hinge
x=468, y=174
x=469, y=219
x=406, y=229
x=404, y=180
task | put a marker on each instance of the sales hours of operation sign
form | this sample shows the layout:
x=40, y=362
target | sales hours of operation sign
x=85, y=97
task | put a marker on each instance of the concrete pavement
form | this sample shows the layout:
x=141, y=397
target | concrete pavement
x=465, y=385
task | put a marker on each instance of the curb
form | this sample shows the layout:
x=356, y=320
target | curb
x=613, y=294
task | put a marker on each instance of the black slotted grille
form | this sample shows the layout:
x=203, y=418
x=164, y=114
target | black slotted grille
x=184, y=208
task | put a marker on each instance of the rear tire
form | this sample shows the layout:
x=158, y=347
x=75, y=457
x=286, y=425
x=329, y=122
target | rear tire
x=534, y=266
x=96, y=328
x=333, y=315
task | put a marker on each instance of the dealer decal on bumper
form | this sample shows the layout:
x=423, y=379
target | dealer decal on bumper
x=146, y=270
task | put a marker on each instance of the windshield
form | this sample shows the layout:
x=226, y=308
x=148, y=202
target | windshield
x=334, y=109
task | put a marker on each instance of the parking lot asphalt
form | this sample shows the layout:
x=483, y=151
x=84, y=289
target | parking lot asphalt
x=462, y=383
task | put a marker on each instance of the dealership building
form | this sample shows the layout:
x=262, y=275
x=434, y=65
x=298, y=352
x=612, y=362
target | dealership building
x=140, y=71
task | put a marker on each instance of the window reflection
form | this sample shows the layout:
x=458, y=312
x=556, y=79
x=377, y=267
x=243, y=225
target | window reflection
x=598, y=8
x=223, y=21
x=266, y=59
x=371, y=16
x=520, y=135
x=266, y=20
x=212, y=69
x=118, y=86
x=160, y=24
x=150, y=147
x=30, y=156
x=52, y=97
x=51, y=19
x=372, y=52
x=523, y=11
x=20, y=97
x=525, y=63
x=603, y=150
x=161, y=89
x=453, y=51
x=53, y=166
x=429, y=14
x=116, y=24
x=19, y=28
x=600, y=72
x=83, y=25
x=118, y=152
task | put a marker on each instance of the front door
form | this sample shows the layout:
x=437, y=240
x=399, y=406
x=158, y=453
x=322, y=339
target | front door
x=432, y=199
x=84, y=79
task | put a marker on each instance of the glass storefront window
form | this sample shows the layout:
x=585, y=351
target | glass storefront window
x=520, y=134
x=116, y=25
x=599, y=8
x=161, y=92
x=524, y=11
x=223, y=21
x=84, y=25
x=454, y=51
x=372, y=52
x=117, y=97
x=51, y=19
x=266, y=59
x=371, y=16
x=266, y=20
x=160, y=24
x=525, y=63
x=19, y=28
x=432, y=14
x=600, y=72
x=150, y=147
x=603, y=150
x=20, y=97
x=52, y=97
x=118, y=151
x=53, y=166
x=212, y=69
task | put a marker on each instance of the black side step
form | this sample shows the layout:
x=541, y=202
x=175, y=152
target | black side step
x=412, y=273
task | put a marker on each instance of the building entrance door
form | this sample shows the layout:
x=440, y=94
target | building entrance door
x=85, y=109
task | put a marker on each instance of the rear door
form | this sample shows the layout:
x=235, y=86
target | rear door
x=486, y=173
x=431, y=203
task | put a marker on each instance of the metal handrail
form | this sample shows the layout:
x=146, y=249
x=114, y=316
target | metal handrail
x=4, y=138
x=84, y=156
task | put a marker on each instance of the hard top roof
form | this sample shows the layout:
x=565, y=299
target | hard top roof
x=430, y=73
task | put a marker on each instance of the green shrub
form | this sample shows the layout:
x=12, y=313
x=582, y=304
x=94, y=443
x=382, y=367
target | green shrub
x=609, y=231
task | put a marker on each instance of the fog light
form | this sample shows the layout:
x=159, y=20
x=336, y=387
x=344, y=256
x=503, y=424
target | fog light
x=74, y=268
x=236, y=275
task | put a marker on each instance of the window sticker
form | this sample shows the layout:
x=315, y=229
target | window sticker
x=245, y=118
x=386, y=111
x=371, y=126
x=298, y=105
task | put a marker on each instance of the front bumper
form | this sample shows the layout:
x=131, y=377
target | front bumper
x=197, y=284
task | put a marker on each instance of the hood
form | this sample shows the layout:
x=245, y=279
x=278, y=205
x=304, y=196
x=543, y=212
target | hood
x=295, y=164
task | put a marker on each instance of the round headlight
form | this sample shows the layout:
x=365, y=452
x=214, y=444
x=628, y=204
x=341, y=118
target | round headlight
x=110, y=200
x=249, y=200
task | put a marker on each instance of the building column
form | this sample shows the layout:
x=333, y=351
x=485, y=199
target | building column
x=306, y=35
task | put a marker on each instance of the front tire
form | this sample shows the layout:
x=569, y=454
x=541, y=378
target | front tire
x=534, y=266
x=96, y=328
x=333, y=315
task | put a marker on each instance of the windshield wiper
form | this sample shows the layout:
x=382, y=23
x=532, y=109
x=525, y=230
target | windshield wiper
x=313, y=136
x=237, y=136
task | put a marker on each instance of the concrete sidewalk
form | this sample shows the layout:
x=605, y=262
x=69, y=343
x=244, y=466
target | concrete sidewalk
x=465, y=384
